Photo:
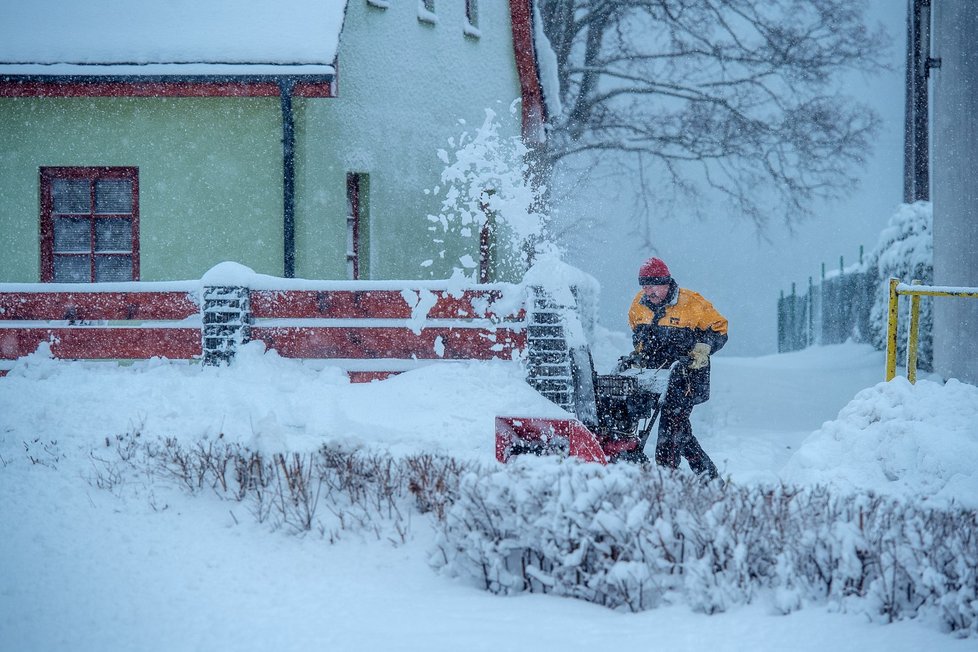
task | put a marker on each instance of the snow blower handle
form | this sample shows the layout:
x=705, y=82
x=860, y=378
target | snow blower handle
x=663, y=382
x=630, y=361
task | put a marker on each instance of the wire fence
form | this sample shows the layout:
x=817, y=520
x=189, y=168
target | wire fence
x=831, y=311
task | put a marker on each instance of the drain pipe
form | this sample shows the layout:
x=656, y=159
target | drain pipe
x=286, y=86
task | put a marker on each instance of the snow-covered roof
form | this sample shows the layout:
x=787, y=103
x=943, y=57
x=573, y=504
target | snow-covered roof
x=171, y=37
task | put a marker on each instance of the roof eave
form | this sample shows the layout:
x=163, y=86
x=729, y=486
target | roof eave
x=207, y=85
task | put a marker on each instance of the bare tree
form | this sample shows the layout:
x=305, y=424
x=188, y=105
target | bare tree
x=699, y=97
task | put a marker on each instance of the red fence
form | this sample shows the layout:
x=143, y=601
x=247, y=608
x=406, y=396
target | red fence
x=371, y=332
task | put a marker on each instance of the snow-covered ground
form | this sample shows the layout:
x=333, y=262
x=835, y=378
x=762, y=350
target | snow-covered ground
x=144, y=566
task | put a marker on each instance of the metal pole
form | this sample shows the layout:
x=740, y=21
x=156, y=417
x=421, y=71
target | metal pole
x=891, y=331
x=811, y=312
x=912, y=335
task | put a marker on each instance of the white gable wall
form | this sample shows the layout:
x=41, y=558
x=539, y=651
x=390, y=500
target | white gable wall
x=403, y=85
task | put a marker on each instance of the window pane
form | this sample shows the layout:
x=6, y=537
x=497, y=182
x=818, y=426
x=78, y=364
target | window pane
x=113, y=196
x=113, y=234
x=113, y=268
x=72, y=234
x=71, y=195
x=72, y=269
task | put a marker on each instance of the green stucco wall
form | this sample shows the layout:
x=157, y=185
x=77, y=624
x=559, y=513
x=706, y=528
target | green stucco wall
x=210, y=176
x=210, y=169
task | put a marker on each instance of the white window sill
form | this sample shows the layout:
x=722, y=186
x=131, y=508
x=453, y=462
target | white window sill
x=425, y=16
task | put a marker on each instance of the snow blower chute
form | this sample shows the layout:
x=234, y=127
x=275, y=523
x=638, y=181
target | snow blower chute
x=610, y=411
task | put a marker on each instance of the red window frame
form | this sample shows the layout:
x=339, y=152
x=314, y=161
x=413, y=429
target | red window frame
x=50, y=174
x=353, y=222
x=487, y=244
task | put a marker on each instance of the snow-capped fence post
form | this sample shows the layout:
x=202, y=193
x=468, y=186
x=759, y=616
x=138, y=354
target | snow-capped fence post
x=547, y=352
x=560, y=319
x=226, y=322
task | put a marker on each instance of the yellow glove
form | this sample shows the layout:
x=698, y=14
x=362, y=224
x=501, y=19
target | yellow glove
x=700, y=354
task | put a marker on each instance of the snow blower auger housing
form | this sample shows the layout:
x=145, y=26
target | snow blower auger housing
x=610, y=410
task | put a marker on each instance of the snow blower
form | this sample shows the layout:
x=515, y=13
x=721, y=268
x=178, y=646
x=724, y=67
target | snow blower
x=610, y=410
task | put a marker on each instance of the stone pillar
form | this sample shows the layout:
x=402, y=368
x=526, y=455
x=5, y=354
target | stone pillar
x=548, y=355
x=226, y=322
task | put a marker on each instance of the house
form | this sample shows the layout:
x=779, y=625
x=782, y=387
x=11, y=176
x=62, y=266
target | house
x=151, y=141
x=948, y=55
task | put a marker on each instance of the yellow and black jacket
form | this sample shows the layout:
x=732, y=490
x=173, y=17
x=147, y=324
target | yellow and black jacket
x=663, y=333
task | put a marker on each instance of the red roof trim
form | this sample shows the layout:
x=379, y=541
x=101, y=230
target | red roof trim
x=64, y=88
x=534, y=110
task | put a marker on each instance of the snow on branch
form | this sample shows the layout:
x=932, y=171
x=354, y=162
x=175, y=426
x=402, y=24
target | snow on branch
x=634, y=538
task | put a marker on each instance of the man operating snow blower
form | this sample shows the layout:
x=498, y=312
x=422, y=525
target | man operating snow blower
x=670, y=323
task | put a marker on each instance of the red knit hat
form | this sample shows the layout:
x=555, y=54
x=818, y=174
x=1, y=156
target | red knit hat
x=654, y=272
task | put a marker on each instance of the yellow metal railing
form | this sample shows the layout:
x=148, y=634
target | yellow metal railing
x=915, y=290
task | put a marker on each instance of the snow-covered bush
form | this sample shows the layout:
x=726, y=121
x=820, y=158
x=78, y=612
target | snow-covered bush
x=486, y=184
x=906, y=251
x=332, y=491
x=627, y=537
x=633, y=538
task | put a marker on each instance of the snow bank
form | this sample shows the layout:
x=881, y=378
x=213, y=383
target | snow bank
x=266, y=402
x=897, y=438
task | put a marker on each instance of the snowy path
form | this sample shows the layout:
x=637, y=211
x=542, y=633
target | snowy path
x=762, y=409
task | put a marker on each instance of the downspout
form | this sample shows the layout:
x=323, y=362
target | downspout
x=916, y=182
x=286, y=86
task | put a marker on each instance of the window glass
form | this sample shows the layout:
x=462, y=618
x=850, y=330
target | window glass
x=72, y=269
x=113, y=268
x=71, y=196
x=113, y=234
x=72, y=234
x=113, y=196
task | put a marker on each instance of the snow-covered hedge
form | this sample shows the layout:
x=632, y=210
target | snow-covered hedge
x=634, y=538
x=906, y=251
x=626, y=537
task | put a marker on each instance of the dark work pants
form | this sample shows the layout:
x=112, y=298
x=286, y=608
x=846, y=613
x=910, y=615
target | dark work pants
x=676, y=441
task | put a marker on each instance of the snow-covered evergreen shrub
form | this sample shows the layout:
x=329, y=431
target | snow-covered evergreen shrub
x=906, y=251
x=633, y=538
